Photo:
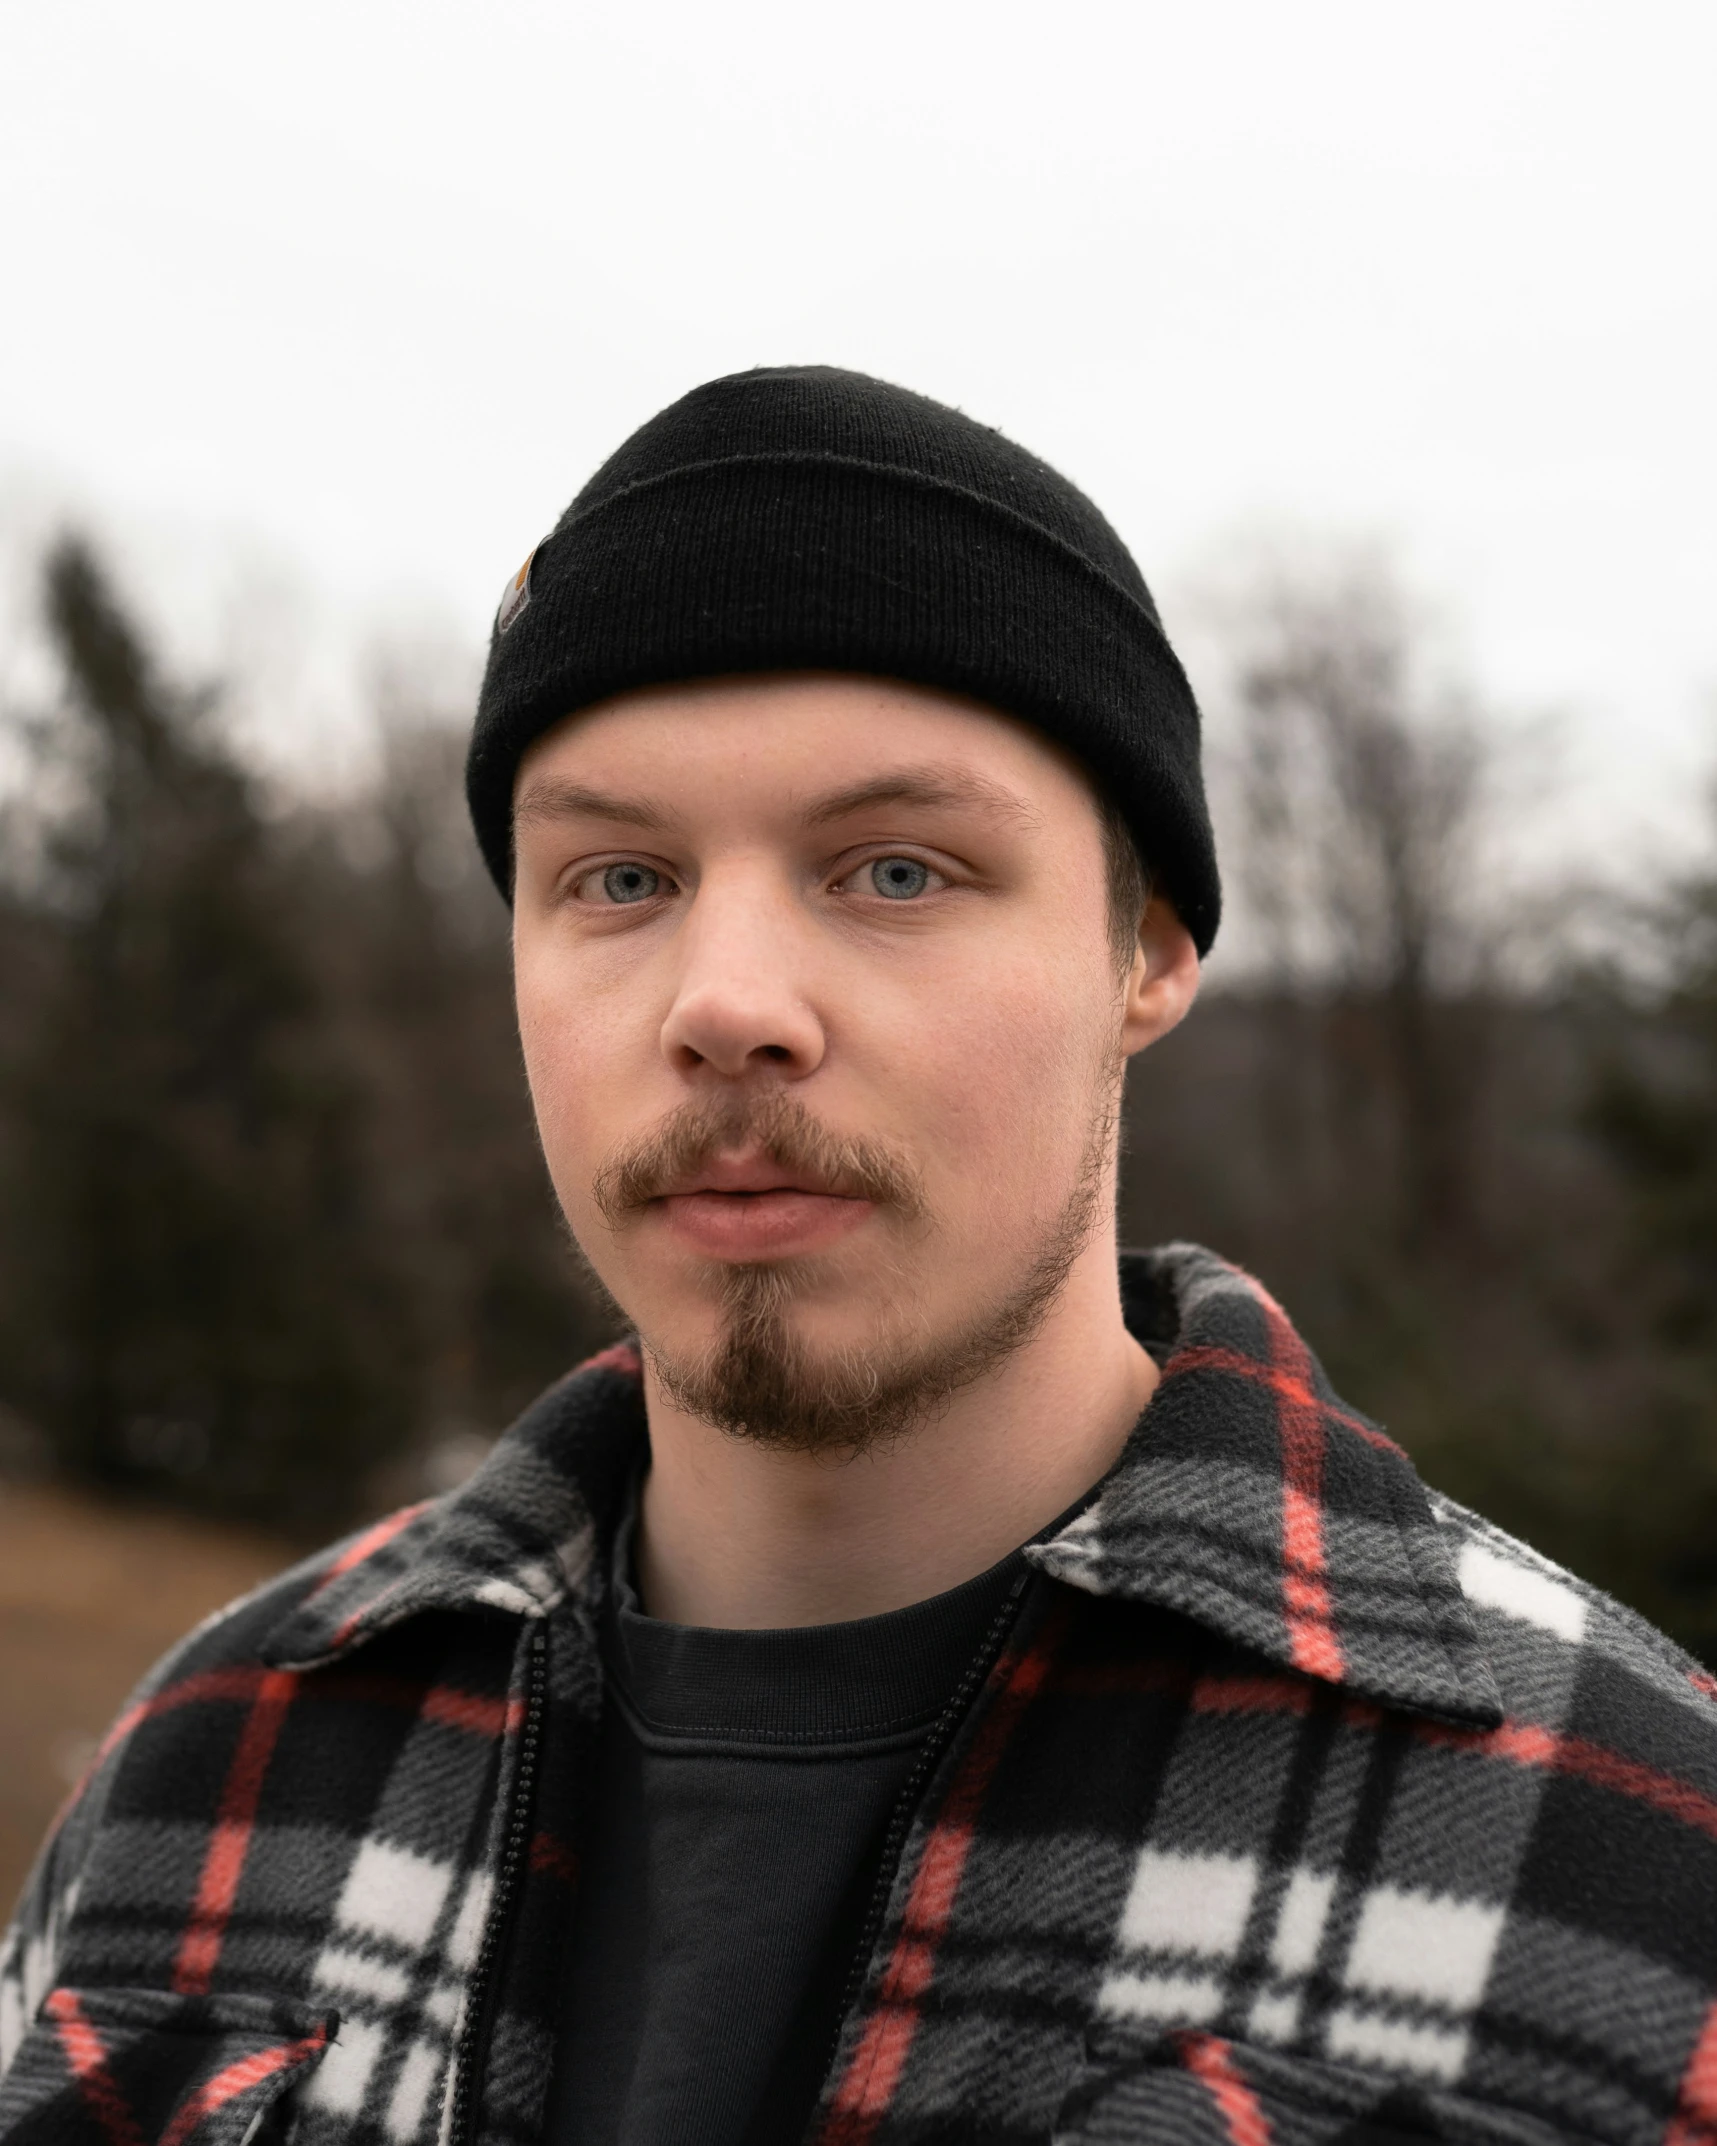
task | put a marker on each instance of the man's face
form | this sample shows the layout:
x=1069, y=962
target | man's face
x=824, y=1031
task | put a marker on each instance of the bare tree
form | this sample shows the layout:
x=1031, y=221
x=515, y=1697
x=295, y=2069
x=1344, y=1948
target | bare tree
x=1361, y=783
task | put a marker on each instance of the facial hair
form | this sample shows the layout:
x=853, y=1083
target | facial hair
x=757, y=1379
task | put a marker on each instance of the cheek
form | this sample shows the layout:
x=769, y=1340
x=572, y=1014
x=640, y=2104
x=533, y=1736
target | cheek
x=569, y=1057
x=1003, y=1071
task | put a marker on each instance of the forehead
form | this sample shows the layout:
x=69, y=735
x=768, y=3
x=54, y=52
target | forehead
x=798, y=742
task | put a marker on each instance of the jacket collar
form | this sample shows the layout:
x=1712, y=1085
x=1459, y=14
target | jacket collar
x=1248, y=1497
x=521, y=1536
x=1255, y=1501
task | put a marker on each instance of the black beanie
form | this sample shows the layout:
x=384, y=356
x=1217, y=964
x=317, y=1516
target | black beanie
x=803, y=518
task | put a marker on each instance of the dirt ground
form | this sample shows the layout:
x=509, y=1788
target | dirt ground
x=89, y=1596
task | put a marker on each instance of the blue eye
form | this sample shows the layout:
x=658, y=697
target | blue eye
x=630, y=882
x=900, y=878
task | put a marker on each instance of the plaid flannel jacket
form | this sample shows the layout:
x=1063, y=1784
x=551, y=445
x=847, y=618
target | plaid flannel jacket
x=1293, y=1804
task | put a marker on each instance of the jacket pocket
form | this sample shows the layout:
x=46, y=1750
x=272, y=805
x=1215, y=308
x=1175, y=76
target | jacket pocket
x=1196, y=2089
x=118, y=2067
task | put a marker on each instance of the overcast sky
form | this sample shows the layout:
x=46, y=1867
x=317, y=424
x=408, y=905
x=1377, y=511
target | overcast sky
x=326, y=310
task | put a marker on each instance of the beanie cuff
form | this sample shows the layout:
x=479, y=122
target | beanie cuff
x=795, y=560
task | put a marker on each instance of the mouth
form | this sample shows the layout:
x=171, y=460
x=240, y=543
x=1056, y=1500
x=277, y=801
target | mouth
x=748, y=1208
x=749, y=1177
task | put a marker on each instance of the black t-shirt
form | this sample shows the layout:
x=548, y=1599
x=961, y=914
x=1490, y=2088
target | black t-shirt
x=744, y=1786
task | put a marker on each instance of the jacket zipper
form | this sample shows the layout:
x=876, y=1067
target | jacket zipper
x=942, y=1733
x=473, y=2048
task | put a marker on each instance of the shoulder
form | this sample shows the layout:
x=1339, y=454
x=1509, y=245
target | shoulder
x=237, y=1634
x=226, y=1648
x=1596, y=1799
x=1563, y=1652
x=223, y=1655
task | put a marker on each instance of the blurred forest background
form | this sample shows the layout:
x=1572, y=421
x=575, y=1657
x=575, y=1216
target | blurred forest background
x=275, y=1241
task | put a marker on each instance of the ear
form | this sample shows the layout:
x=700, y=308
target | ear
x=1163, y=981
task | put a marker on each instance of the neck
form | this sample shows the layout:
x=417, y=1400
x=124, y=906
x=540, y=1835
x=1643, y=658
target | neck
x=735, y=1534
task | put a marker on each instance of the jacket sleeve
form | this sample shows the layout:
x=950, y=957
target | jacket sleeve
x=30, y=1949
x=34, y=1942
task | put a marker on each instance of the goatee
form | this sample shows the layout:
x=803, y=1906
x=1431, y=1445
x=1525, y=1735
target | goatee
x=758, y=1379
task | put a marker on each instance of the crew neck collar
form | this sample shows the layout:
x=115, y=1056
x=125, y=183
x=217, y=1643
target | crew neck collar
x=866, y=1681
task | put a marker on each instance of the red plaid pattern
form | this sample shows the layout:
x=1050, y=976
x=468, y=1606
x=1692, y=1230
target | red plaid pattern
x=1299, y=1806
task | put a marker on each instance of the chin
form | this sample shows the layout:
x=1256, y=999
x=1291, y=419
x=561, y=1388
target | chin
x=821, y=1310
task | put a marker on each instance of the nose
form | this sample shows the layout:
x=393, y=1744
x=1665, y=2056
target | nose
x=740, y=1006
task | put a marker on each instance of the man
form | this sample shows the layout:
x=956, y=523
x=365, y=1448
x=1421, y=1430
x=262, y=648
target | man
x=939, y=1682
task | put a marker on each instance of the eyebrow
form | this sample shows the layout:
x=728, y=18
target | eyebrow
x=926, y=786
x=545, y=800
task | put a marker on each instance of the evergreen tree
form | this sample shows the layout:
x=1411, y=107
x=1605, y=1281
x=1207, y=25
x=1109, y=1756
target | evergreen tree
x=206, y=1309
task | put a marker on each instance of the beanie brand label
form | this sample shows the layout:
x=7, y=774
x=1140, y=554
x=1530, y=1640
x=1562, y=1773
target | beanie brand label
x=516, y=595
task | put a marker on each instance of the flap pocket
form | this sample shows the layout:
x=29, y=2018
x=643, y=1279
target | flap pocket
x=117, y=2067
x=1196, y=2089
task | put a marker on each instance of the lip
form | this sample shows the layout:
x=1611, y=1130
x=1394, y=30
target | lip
x=766, y=1221
x=749, y=1176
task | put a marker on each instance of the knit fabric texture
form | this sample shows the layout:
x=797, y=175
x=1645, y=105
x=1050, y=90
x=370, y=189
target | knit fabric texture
x=804, y=518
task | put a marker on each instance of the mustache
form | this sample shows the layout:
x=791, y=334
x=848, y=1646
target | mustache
x=781, y=1128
